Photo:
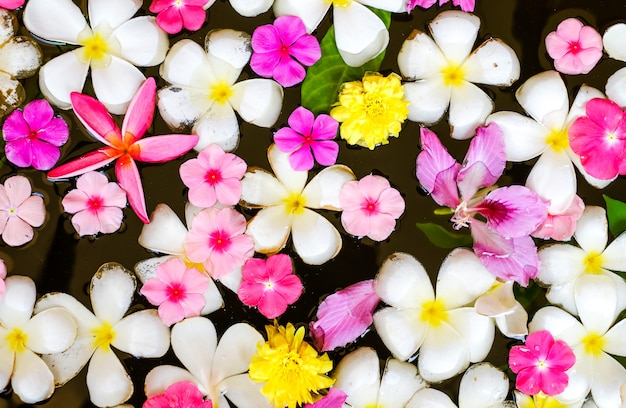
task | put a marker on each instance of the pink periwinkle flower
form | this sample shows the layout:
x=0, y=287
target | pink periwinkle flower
x=599, y=138
x=575, y=48
x=217, y=240
x=561, y=227
x=541, y=363
x=173, y=15
x=33, y=136
x=19, y=211
x=306, y=137
x=213, y=177
x=177, y=290
x=466, y=5
x=3, y=274
x=96, y=204
x=370, y=207
x=183, y=394
x=344, y=316
x=270, y=285
x=334, y=399
x=280, y=50
x=11, y=4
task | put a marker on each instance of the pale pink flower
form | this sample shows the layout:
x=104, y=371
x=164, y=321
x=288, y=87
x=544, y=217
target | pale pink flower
x=370, y=207
x=11, y=4
x=541, y=363
x=466, y=5
x=96, y=204
x=280, y=50
x=575, y=48
x=19, y=211
x=217, y=240
x=561, y=227
x=308, y=136
x=173, y=15
x=178, y=291
x=182, y=394
x=270, y=285
x=334, y=399
x=3, y=274
x=214, y=176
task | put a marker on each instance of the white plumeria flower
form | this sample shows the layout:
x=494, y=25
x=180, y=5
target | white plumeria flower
x=112, y=44
x=499, y=302
x=545, y=134
x=541, y=400
x=360, y=34
x=140, y=334
x=287, y=204
x=251, y=8
x=567, y=268
x=358, y=375
x=613, y=41
x=204, y=93
x=218, y=369
x=24, y=335
x=444, y=72
x=448, y=333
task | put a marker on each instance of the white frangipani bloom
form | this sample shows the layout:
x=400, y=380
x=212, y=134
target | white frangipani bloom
x=112, y=44
x=613, y=41
x=499, y=302
x=24, y=335
x=251, y=8
x=444, y=69
x=542, y=400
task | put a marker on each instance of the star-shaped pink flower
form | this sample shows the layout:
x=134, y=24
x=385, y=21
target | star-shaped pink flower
x=575, y=48
x=173, y=15
x=20, y=211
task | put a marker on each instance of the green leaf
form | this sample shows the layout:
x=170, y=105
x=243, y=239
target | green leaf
x=616, y=213
x=443, y=238
x=323, y=80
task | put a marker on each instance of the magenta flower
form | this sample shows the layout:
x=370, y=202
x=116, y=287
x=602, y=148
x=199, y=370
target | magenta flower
x=541, y=363
x=466, y=5
x=214, y=176
x=280, y=50
x=600, y=139
x=173, y=15
x=334, y=399
x=308, y=136
x=11, y=4
x=575, y=48
x=19, y=211
x=33, y=136
x=216, y=239
x=370, y=207
x=270, y=285
x=96, y=204
x=177, y=290
x=125, y=146
x=183, y=394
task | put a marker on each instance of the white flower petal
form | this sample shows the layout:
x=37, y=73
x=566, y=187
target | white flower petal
x=165, y=233
x=482, y=385
x=16, y=306
x=596, y=301
x=232, y=280
x=580, y=379
x=142, y=42
x=260, y=188
x=443, y=354
x=561, y=324
x=498, y=301
x=186, y=64
x=492, y=63
x=430, y=398
x=358, y=375
x=7, y=359
x=251, y=8
x=401, y=330
x=315, y=239
x=420, y=57
x=85, y=320
x=613, y=41
x=403, y=282
x=51, y=331
x=553, y=178
x=161, y=377
x=462, y=278
x=116, y=84
x=616, y=84
x=270, y=229
x=560, y=263
x=293, y=180
x=515, y=324
x=20, y=57
x=180, y=107
x=359, y=33
x=428, y=100
x=229, y=51
x=563, y=296
x=217, y=125
x=55, y=20
x=592, y=230
x=323, y=189
x=394, y=6
x=454, y=32
x=608, y=376
x=578, y=108
x=234, y=351
x=243, y=392
x=68, y=364
x=111, y=13
x=310, y=11
x=108, y=382
x=544, y=97
x=194, y=341
x=524, y=138
x=142, y=334
x=478, y=331
x=399, y=383
x=61, y=76
x=32, y=380
x=614, y=339
x=469, y=107
x=212, y=298
x=258, y=101
x=111, y=290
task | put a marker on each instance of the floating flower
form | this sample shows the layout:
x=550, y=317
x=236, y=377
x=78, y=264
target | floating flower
x=125, y=146
x=19, y=211
x=174, y=15
x=286, y=203
x=3, y=275
x=280, y=49
x=306, y=137
x=545, y=401
x=611, y=40
x=33, y=136
x=11, y=4
x=371, y=110
x=334, y=399
x=466, y=5
x=112, y=48
x=290, y=369
x=499, y=302
x=182, y=394
x=204, y=93
x=269, y=285
x=444, y=72
x=574, y=47
x=561, y=227
x=96, y=204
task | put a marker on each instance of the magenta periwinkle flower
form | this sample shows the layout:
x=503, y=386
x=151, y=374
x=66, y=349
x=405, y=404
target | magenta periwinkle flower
x=575, y=48
x=11, y=4
x=183, y=394
x=174, y=15
x=466, y=5
x=281, y=49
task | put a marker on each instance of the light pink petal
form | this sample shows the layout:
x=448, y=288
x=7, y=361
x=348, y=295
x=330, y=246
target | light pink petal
x=306, y=50
x=193, y=173
x=241, y=249
x=228, y=191
x=556, y=46
x=96, y=119
x=44, y=154
x=110, y=219
x=356, y=223
x=17, y=189
x=14, y=126
x=325, y=152
x=170, y=20
x=160, y=149
x=17, y=232
x=391, y=202
x=371, y=186
x=194, y=17
x=140, y=113
x=381, y=226
x=288, y=72
x=561, y=227
x=32, y=210
x=38, y=113
x=92, y=183
x=75, y=201
x=171, y=312
x=569, y=29
x=155, y=290
x=350, y=197
x=128, y=178
x=85, y=163
x=569, y=64
x=231, y=165
x=113, y=196
x=590, y=39
x=301, y=159
x=19, y=152
x=437, y=170
x=203, y=195
x=86, y=223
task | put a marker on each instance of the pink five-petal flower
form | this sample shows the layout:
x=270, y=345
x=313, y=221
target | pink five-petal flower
x=270, y=285
x=217, y=240
x=214, y=176
x=575, y=48
x=370, y=207
x=11, y=4
x=281, y=48
x=3, y=274
x=183, y=394
x=33, y=136
x=19, y=211
x=177, y=290
x=334, y=399
x=308, y=136
x=96, y=204
x=173, y=15
x=466, y=5
x=125, y=146
x=599, y=138
x=541, y=363
x=344, y=316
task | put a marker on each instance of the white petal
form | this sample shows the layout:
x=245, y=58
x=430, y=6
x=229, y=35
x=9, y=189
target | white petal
x=430, y=398
x=20, y=57
x=251, y=8
x=232, y=280
x=469, y=107
x=32, y=380
x=428, y=100
x=358, y=375
x=443, y=354
x=616, y=84
x=592, y=230
x=515, y=324
x=231, y=47
x=107, y=380
x=544, y=97
x=359, y=33
x=16, y=306
x=111, y=12
x=293, y=180
x=596, y=301
x=553, y=178
x=85, y=320
x=315, y=239
x=186, y=64
x=310, y=11
x=561, y=324
x=613, y=40
x=194, y=341
x=580, y=378
x=142, y=334
x=498, y=301
x=55, y=20
x=234, y=351
x=492, y=63
x=161, y=377
x=400, y=381
x=165, y=233
x=563, y=296
x=7, y=359
x=614, y=256
x=270, y=229
x=584, y=95
x=614, y=339
x=180, y=107
x=560, y=263
x=524, y=138
x=243, y=392
x=420, y=57
x=477, y=330
x=608, y=376
x=111, y=290
x=61, y=76
x=212, y=298
x=261, y=188
x=116, y=84
x=462, y=278
x=401, y=330
x=258, y=101
x=323, y=189
x=142, y=42
x=51, y=331
x=455, y=32
x=394, y=6
x=403, y=282
x=68, y=364
x=217, y=125
x=482, y=385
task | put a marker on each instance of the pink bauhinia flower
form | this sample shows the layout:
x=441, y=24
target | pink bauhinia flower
x=96, y=204
x=370, y=207
x=11, y=4
x=280, y=50
x=3, y=274
x=466, y=5
x=270, y=285
x=173, y=15
x=575, y=48
x=19, y=211
x=183, y=394
x=541, y=364
x=334, y=399
x=125, y=146
x=308, y=136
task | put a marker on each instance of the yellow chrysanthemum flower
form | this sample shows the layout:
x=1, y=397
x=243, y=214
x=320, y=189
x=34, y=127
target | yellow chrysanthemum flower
x=371, y=110
x=290, y=368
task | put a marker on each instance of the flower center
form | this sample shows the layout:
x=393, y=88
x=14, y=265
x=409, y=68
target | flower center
x=32, y=134
x=374, y=406
x=94, y=203
x=593, y=263
x=176, y=291
x=542, y=401
x=370, y=207
x=221, y=92
x=178, y=3
x=95, y=47
x=574, y=47
x=269, y=285
x=103, y=335
x=196, y=265
x=294, y=203
x=594, y=343
x=219, y=241
x=213, y=176
x=453, y=75
x=558, y=139
x=339, y=3
x=434, y=313
x=374, y=105
x=16, y=339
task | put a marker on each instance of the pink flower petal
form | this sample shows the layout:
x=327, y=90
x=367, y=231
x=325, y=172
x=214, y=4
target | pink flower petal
x=324, y=127
x=561, y=227
x=302, y=121
x=155, y=291
x=160, y=149
x=569, y=29
x=85, y=163
x=265, y=63
x=45, y=155
x=381, y=226
x=301, y=159
x=11, y=4
x=19, y=152
x=182, y=394
x=325, y=152
x=193, y=17
x=288, y=140
x=56, y=132
x=86, y=223
x=170, y=20
x=288, y=72
x=128, y=178
x=228, y=191
x=334, y=399
x=32, y=210
x=17, y=189
x=38, y=114
x=391, y=202
x=266, y=39
x=171, y=312
x=140, y=113
x=17, y=232
x=289, y=29
x=98, y=121
x=158, y=6
x=75, y=201
x=110, y=219
x=203, y=196
x=14, y=126
x=306, y=50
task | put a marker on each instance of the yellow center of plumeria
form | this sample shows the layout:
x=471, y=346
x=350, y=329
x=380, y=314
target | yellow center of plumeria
x=453, y=75
x=374, y=406
x=539, y=401
x=339, y=3
x=558, y=139
x=95, y=48
x=593, y=263
x=434, y=313
x=103, y=336
x=294, y=203
x=594, y=343
x=221, y=92
x=199, y=266
x=16, y=339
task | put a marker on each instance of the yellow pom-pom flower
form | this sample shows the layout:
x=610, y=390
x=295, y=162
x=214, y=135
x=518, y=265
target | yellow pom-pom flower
x=371, y=110
x=290, y=368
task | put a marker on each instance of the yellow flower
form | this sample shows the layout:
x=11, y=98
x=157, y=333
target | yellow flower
x=371, y=110
x=290, y=368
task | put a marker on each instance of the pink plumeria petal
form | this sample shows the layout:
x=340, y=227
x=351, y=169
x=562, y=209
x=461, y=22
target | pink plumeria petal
x=11, y=4
x=95, y=117
x=45, y=155
x=85, y=163
x=160, y=149
x=128, y=178
x=17, y=232
x=140, y=113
